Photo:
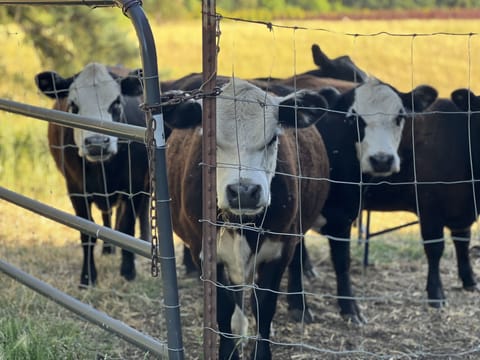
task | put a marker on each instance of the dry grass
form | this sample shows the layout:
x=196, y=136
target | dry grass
x=401, y=325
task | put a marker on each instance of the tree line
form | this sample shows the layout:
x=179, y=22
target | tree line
x=339, y=5
x=66, y=36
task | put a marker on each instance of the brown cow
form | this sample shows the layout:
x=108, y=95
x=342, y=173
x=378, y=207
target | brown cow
x=263, y=205
x=100, y=169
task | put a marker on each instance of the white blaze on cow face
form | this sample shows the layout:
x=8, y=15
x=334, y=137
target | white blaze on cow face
x=94, y=93
x=380, y=113
x=247, y=146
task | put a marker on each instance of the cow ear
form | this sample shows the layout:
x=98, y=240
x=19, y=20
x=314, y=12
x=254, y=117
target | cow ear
x=331, y=95
x=53, y=85
x=183, y=115
x=132, y=84
x=302, y=109
x=465, y=100
x=319, y=57
x=423, y=96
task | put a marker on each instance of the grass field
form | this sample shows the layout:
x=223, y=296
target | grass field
x=34, y=328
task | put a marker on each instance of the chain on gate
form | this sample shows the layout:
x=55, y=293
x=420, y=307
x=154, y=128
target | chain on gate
x=170, y=98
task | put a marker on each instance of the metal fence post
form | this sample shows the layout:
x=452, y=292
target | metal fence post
x=209, y=245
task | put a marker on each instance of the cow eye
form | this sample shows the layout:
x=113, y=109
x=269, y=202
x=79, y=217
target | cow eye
x=115, y=103
x=73, y=108
x=271, y=142
x=115, y=109
x=351, y=118
x=399, y=120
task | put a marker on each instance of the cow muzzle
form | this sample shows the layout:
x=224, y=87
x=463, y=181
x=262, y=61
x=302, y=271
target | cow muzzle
x=98, y=148
x=383, y=164
x=244, y=198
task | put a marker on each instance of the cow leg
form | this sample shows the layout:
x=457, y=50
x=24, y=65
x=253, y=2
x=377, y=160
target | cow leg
x=297, y=302
x=340, y=255
x=88, y=275
x=434, y=245
x=144, y=219
x=461, y=240
x=107, y=221
x=225, y=308
x=126, y=224
x=264, y=303
x=190, y=267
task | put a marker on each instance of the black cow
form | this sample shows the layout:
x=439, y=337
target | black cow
x=363, y=136
x=100, y=169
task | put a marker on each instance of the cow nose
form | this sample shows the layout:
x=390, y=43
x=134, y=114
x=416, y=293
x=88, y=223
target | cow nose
x=381, y=163
x=97, y=145
x=243, y=196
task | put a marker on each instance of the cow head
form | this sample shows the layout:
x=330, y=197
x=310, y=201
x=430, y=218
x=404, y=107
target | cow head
x=95, y=93
x=377, y=114
x=250, y=125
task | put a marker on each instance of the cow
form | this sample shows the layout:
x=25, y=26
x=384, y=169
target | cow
x=341, y=68
x=341, y=73
x=100, y=169
x=439, y=183
x=362, y=131
x=262, y=205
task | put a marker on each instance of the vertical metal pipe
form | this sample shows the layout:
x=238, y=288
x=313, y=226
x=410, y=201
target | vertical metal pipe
x=209, y=245
x=164, y=223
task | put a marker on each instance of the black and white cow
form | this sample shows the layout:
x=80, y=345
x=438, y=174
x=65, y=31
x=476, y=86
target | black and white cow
x=362, y=133
x=260, y=139
x=100, y=169
x=438, y=182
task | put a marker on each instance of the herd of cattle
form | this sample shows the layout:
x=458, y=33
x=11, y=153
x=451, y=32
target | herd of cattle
x=303, y=153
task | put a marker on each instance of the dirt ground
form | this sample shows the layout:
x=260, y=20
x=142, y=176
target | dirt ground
x=390, y=292
x=400, y=323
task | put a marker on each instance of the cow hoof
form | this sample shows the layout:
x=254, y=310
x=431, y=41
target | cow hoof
x=437, y=303
x=87, y=282
x=299, y=315
x=310, y=273
x=356, y=319
x=472, y=288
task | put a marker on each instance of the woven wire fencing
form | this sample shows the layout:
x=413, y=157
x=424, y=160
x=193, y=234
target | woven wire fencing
x=391, y=290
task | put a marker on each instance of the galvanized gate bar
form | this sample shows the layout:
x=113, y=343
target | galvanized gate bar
x=90, y=228
x=87, y=312
x=125, y=131
x=135, y=12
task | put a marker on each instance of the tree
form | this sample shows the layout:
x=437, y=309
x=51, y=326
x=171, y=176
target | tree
x=68, y=37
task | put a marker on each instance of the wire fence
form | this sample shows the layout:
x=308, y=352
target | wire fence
x=391, y=290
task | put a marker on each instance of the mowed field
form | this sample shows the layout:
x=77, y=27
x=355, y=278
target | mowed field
x=441, y=53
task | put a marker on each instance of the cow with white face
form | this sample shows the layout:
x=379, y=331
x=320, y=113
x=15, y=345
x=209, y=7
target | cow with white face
x=260, y=139
x=100, y=169
x=379, y=115
x=362, y=133
x=106, y=107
